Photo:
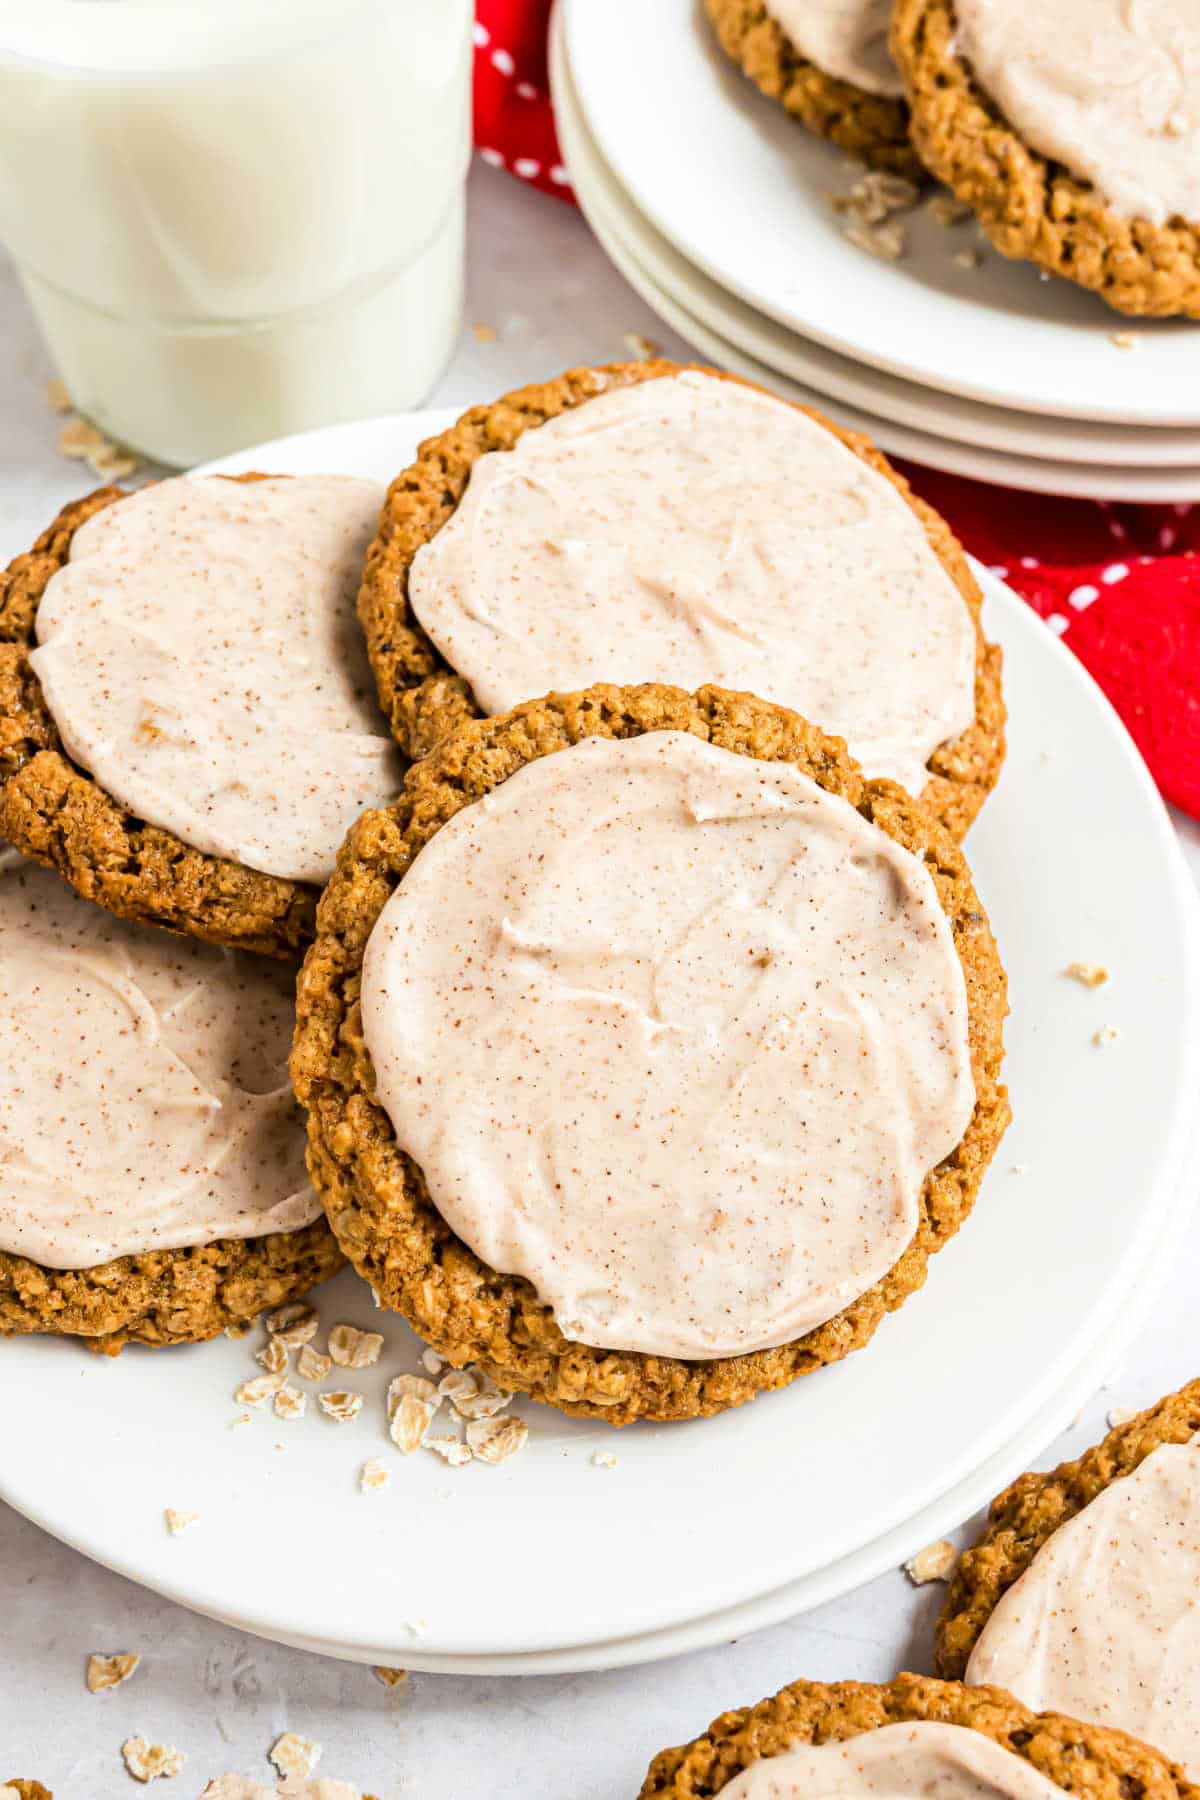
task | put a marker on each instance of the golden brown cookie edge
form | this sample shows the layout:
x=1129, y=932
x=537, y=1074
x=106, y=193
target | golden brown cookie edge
x=1080, y=1758
x=1031, y=1509
x=871, y=126
x=55, y=813
x=422, y=696
x=1032, y=209
x=375, y=1195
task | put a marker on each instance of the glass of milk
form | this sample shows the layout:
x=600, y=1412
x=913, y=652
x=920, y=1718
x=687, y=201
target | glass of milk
x=236, y=219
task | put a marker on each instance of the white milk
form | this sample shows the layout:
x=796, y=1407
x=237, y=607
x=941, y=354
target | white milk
x=237, y=218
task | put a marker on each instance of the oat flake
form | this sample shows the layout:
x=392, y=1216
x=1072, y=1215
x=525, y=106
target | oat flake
x=1091, y=975
x=934, y=1563
x=431, y=1361
x=293, y=1325
x=354, y=1349
x=409, y=1423
x=452, y=1450
x=312, y=1365
x=149, y=1762
x=105, y=1672
x=290, y=1403
x=178, y=1522
x=495, y=1440
x=258, y=1389
x=374, y=1474
x=341, y=1404
x=390, y=1677
x=274, y=1358
x=294, y=1755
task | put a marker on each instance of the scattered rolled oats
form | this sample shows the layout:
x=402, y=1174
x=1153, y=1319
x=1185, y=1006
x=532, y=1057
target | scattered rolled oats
x=1107, y=1034
x=1125, y=340
x=341, y=1404
x=1092, y=975
x=274, y=1356
x=390, y=1677
x=948, y=209
x=294, y=1755
x=374, y=1474
x=313, y=1365
x=148, y=1762
x=293, y=1325
x=452, y=1450
x=354, y=1349
x=258, y=1389
x=472, y=1394
x=887, y=242
x=178, y=1522
x=483, y=332
x=431, y=1361
x=1120, y=1415
x=495, y=1440
x=78, y=439
x=57, y=396
x=934, y=1563
x=875, y=196
x=290, y=1402
x=409, y=1423
x=644, y=348
x=604, y=1459
x=105, y=1672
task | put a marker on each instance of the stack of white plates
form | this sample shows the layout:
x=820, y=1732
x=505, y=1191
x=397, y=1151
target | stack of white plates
x=718, y=208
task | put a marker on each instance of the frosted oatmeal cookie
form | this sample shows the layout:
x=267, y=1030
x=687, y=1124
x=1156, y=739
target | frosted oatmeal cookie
x=585, y=1019
x=646, y=522
x=154, y=1182
x=1081, y=1592
x=912, y=1738
x=827, y=63
x=1072, y=131
x=187, y=726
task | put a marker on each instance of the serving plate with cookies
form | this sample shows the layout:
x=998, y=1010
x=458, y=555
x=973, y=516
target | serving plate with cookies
x=601, y=1028
x=962, y=230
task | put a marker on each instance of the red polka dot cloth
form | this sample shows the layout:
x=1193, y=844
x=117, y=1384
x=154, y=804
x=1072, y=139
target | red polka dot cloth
x=1119, y=584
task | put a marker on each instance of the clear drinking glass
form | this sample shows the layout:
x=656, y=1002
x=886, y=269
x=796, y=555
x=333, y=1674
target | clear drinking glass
x=236, y=219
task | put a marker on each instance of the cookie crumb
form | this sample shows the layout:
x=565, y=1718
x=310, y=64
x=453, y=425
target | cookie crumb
x=604, y=1459
x=257, y=1389
x=644, y=348
x=452, y=1450
x=1091, y=975
x=875, y=196
x=290, y=1402
x=472, y=1394
x=495, y=1440
x=1107, y=1034
x=57, y=397
x=968, y=259
x=887, y=242
x=274, y=1357
x=373, y=1474
x=149, y=1762
x=934, y=1563
x=483, y=332
x=341, y=1404
x=294, y=1755
x=354, y=1349
x=1125, y=340
x=104, y=1672
x=1120, y=1415
x=243, y=1418
x=312, y=1365
x=178, y=1522
x=293, y=1325
x=390, y=1678
x=239, y=1328
x=947, y=210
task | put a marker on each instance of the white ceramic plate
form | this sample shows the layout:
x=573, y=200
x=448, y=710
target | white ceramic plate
x=1083, y=481
x=550, y=1554
x=889, y=396
x=744, y=192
